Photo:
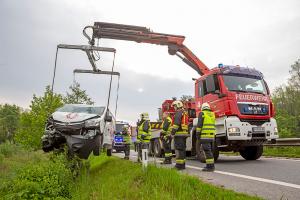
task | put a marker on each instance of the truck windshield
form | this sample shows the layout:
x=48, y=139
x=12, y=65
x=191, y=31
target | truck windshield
x=82, y=109
x=244, y=84
x=119, y=127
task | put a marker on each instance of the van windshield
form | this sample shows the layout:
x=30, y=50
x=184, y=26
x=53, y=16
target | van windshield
x=245, y=84
x=82, y=109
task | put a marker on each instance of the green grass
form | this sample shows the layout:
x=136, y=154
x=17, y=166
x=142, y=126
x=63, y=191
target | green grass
x=34, y=175
x=290, y=152
x=114, y=178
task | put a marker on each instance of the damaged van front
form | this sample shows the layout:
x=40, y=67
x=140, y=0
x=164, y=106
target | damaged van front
x=84, y=128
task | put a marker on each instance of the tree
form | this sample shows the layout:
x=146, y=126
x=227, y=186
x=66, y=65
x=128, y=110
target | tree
x=184, y=98
x=9, y=121
x=286, y=99
x=77, y=95
x=32, y=122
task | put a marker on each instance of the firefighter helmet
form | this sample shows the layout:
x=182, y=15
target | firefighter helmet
x=177, y=104
x=205, y=106
x=144, y=116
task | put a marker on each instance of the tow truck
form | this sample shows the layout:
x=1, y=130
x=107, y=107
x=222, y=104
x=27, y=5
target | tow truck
x=239, y=96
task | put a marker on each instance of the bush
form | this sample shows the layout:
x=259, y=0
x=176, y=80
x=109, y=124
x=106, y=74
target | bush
x=8, y=149
x=1, y=158
x=44, y=180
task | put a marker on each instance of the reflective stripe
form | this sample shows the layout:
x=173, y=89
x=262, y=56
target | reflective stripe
x=204, y=129
x=198, y=129
x=209, y=161
x=210, y=124
x=180, y=161
x=168, y=154
x=181, y=133
x=207, y=136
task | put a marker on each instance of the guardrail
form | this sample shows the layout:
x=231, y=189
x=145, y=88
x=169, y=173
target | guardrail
x=285, y=142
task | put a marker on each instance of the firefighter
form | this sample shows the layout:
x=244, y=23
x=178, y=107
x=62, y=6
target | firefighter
x=206, y=130
x=166, y=138
x=180, y=133
x=144, y=134
x=126, y=140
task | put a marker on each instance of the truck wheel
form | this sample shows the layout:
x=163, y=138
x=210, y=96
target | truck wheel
x=200, y=155
x=157, y=148
x=252, y=152
x=108, y=152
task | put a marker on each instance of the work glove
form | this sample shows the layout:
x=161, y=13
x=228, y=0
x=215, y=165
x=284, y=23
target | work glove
x=173, y=132
x=162, y=135
x=143, y=137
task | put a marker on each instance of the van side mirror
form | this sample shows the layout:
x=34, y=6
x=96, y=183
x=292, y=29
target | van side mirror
x=108, y=118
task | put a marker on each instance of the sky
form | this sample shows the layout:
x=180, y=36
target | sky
x=264, y=34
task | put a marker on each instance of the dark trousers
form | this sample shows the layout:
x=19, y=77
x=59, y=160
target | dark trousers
x=166, y=140
x=127, y=150
x=140, y=146
x=180, y=151
x=208, y=150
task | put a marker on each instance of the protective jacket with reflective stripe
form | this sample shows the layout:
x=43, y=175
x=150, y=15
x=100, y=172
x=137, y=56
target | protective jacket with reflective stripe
x=144, y=128
x=180, y=126
x=167, y=126
x=126, y=136
x=206, y=126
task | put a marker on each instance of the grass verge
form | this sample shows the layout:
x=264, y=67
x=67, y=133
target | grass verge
x=114, y=178
x=290, y=152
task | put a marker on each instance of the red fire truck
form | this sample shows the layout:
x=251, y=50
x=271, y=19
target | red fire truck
x=239, y=96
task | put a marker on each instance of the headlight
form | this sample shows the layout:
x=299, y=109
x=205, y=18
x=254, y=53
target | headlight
x=92, y=123
x=233, y=130
x=275, y=130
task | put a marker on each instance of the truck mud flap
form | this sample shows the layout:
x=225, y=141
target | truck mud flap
x=82, y=146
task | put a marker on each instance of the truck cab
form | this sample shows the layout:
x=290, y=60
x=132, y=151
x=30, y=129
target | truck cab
x=244, y=111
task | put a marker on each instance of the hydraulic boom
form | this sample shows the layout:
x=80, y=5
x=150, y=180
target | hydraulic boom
x=144, y=35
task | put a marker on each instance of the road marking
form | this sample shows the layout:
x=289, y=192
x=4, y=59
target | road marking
x=282, y=159
x=251, y=178
x=245, y=177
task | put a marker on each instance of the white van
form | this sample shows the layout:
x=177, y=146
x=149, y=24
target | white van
x=85, y=128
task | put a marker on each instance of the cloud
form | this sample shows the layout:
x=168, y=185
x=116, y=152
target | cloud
x=260, y=34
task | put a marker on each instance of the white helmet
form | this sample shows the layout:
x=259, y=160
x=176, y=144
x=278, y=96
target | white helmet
x=144, y=116
x=177, y=104
x=205, y=106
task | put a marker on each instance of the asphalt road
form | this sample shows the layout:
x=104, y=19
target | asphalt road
x=269, y=178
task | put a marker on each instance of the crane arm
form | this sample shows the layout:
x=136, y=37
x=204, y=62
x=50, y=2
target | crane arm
x=144, y=35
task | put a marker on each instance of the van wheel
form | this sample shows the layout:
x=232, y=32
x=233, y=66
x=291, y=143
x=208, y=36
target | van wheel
x=108, y=152
x=200, y=155
x=157, y=148
x=252, y=152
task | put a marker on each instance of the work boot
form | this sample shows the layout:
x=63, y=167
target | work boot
x=180, y=166
x=167, y=161
x=209, y=168
x=126, y=157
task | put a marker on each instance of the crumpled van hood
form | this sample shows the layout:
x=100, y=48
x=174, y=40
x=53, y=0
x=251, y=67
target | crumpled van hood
x=72, y=117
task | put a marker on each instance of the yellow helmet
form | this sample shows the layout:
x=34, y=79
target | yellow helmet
x=144, y=116
x=205, y=106
x=177, y=104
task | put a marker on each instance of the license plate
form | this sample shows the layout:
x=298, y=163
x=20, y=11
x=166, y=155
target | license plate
x=258, y=129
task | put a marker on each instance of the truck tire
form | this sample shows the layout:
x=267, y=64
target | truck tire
x=200, y=155
x=108, y=152
x=157, y=148
x=252, y=152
